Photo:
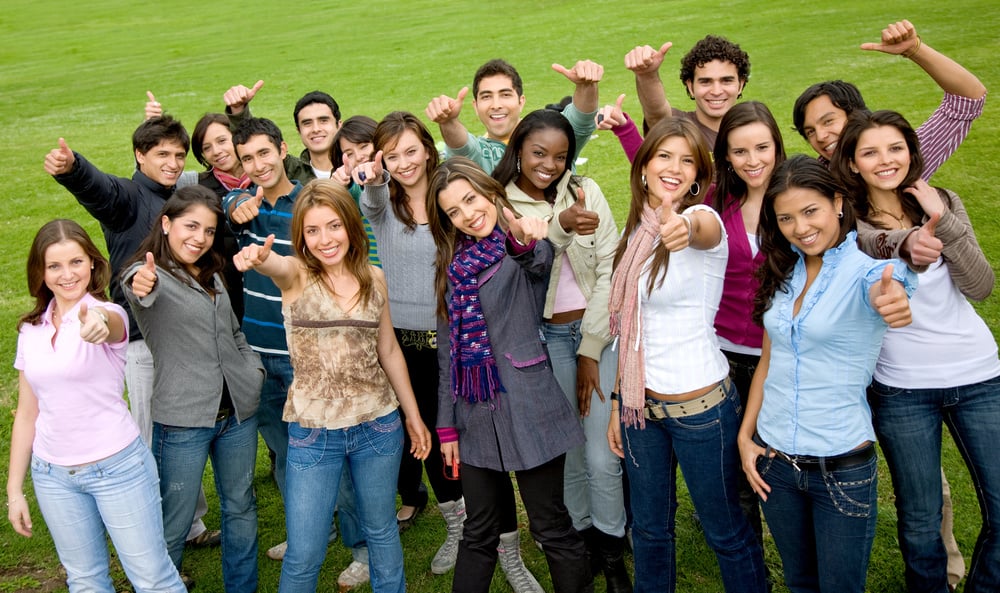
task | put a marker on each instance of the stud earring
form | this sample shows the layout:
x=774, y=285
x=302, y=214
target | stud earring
x=840, y=214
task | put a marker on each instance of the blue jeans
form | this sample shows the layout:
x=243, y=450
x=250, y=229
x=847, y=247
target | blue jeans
x=593, y=474
x=119, y=495
x=316, y=457
x=705, y=448
x=273, y=395
x=908, y=422
x=823, y=523
x=181, y=453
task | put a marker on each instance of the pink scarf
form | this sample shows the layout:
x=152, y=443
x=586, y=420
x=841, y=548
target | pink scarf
x=231, y=182
x=624, y=307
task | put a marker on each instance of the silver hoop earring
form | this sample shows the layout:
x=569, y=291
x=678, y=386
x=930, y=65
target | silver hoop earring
x=695, y=189
x=644, y=186
x=519, y=165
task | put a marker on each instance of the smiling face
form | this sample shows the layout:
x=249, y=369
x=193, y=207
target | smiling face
x=191, y=234
x=406, y=162
x=317, y=127
x=670, y=171
x=325, y=236
x=263, y=162
x=357, y=153
x=471, y=212
x=808, y=219
x=67, y=272
x=544, y=156
x=752, y=154
x=715, y=88
x=882, y=158
x=217, y=149
x=163, y=163
x=822, y=124
x=498, y=106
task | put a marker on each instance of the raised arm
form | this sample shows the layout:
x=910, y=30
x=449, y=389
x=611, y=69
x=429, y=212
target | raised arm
x=644, y=62
x=444, y=111
x=286, y=271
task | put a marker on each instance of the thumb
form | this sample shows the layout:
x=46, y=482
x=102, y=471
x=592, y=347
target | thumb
x=83, y=312
x=871, y=46
x=561, y=69
x=150, y=263
x=377, y=165
x=259, y=196
x=886, y=284
x=149, y=95
x=64, y=148
x=581, y=198
x=256, y=87
x=265, y=249
x=618, y=103
x=509, y=216
x=666, y=47
x=460, y=98
x=931, y=225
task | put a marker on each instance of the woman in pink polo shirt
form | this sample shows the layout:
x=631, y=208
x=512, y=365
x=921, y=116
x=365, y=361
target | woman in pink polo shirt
x=93, y=475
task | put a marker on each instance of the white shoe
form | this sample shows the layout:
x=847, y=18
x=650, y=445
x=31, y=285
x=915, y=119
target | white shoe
x=278, y=552
x=518, y=576
x=355, y=574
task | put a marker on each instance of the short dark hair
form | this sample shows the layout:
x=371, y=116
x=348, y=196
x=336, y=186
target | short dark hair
x=843, y=95
x=497, y=67
x=713, y=47
x=256, y=126
x=155, y=130
x=200, y=129
x=315, y=97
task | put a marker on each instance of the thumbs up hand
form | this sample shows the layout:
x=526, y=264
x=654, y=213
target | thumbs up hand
x=253, y=255
x=248, y=208
x=925, y=248
x=60, y=160
x=890, y=300
x=444, y=108
x=527, y=228
x=675, y=229
x=153, y=107
x=93, y=325
x=145, y=278
x=577, y=218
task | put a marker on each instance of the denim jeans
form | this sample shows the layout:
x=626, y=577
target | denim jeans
x=908, y=422
x=823, y=523
x=273, y=395
x=351, y=534
x=181, y=453
x=705, y=447
x=593, y=474
x=119, y=495
x=489, y=495
x=316, y=457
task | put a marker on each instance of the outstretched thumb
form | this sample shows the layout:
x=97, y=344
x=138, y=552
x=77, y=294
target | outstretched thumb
x=259, y=196
x=460, y=98
x=886, y=284
x=265, y=249
x=621, y=99
x=149, y=95
x=561, y=69
x=64, y=148
x=150, y=262
x=581, y=198
x=256, y=87
x=666, y=47
x=83, y=312
x=931, y=225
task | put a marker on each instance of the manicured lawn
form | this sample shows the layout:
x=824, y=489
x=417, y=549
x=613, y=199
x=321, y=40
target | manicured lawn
x=80, y=70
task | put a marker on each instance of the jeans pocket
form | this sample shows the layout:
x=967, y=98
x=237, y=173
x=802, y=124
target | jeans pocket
x=305, y=446
x=853, y=490
x=764, y=464
x=385, y=434
x=882, y=390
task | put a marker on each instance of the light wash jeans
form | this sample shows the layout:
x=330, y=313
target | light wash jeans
x=593, y=474
x=316, y=457
x=119, y=495
x=181, y=454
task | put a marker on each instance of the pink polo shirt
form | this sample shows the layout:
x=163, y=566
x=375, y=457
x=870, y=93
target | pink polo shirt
x=82, y=416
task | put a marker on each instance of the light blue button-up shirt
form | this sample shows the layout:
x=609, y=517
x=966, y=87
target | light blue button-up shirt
x=822, y=359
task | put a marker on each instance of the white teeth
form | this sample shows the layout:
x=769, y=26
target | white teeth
x=887, y=173
x=755, y=172
x=830, y=147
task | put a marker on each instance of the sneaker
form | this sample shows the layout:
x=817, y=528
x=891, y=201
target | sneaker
x=355, y=574
x=206, y=539
x=518, y=576
x=278, y=552
x=454, y=517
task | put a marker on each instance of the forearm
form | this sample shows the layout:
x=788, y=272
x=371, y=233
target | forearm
x=453, y=133
x=652, y=98
x=967, y=264
x=951, y=76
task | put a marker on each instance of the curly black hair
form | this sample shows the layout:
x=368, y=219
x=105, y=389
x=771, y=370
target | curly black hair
x=713, y=47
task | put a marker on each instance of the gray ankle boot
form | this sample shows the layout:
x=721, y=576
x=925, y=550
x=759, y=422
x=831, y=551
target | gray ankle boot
x=454, y=517
x=518, y=576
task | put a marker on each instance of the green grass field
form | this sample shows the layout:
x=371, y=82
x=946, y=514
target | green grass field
x=80, y=70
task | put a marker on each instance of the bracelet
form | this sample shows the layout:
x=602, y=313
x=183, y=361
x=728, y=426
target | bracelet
x=687, y=221
x=241, y=201
x=15, y=499
x=912, y=52
x=615, y=396
x=100, y=313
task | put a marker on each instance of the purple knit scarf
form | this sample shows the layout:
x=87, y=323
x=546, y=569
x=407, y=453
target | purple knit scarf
x=474, y=373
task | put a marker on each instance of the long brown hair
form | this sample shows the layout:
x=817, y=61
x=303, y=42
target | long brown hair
x=52, y=232
x=387, y=134
x=444, y=232
x=209, y=264
x=667, y=128
x=729, y=187
x=326, y=192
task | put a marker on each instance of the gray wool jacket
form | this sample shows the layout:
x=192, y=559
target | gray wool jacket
x=531, y=422
x=196, y=342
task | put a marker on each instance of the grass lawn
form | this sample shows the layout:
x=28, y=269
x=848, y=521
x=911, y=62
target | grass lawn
x=80, y=70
